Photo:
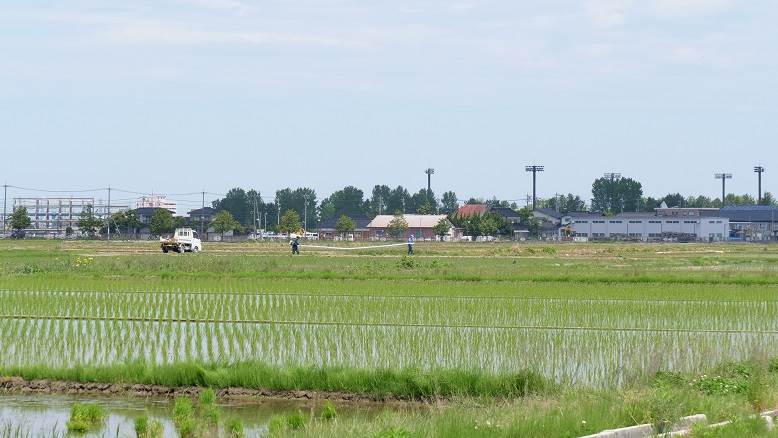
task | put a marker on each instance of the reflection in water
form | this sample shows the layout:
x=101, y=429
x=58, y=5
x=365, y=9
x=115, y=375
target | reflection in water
x=46, y=415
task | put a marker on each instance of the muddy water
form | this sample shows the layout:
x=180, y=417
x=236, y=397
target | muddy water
x=46, y=415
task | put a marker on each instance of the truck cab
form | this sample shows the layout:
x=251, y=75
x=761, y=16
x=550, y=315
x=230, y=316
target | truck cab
x=183, y=240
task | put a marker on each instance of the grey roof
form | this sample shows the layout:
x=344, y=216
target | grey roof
x=550, y=212
x=584, y=214
x=505, y=212
x=750, y=213
x=207, y=211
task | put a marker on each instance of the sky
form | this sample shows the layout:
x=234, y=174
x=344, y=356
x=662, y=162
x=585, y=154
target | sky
x=179, y=96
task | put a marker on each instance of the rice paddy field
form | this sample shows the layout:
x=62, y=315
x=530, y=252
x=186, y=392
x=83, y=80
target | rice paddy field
x=597, y=316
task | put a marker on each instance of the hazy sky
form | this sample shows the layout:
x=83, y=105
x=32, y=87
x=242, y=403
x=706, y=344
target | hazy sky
x=184, y=95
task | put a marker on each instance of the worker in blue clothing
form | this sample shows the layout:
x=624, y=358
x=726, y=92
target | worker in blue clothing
x=411, y=240
x=295, y=245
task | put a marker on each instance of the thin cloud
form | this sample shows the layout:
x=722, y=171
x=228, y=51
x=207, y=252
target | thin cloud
x=145, y=32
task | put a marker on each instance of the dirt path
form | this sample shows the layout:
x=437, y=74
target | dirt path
x=19, y=385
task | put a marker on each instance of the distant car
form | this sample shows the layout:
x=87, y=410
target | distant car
x=18, y=234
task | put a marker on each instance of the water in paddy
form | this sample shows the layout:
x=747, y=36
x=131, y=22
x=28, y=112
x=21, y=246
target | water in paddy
x=45, y=415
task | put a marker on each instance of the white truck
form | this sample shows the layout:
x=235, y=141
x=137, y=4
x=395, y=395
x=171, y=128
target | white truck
x=183, y=240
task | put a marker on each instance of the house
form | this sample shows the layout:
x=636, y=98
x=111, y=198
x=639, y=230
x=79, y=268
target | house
x=548, y=215
x=361, y=231
x=205, y=214
x=419, y=225
x=751, y=222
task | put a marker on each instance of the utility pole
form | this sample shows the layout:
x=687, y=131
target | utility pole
x=759, y=170
x=723, y=177
x=202, y=217
x=108, y=213
x=534, y=169
x=305, y=212
x=380, y=204
x=254, y=210
x=278, y=212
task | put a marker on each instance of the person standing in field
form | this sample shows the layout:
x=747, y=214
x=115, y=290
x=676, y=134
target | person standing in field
x=410, y=244
x=295, y=245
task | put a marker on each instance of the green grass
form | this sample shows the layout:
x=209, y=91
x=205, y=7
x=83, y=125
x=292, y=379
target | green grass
x=408, y=383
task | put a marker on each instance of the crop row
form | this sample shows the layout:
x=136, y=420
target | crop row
x=444, y=311
x=585, y=356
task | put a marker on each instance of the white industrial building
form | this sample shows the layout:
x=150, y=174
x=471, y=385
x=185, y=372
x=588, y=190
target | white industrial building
x=647, y=227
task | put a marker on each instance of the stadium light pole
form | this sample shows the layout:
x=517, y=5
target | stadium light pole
x=759, y=170
x=429, y=171
x=534, y=169
x=723, y=177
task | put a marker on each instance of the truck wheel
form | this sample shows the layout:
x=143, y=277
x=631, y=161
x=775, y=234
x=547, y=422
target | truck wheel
x=181, y=249
x=164, y=249
x=195, y=249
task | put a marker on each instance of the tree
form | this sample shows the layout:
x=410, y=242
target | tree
x=88, y=223
x=348, y=201
x=449, y=202
x=529, y=219
x=380, y=199
x=237, y=202
x=615, y=195
x=223, y=222
x=397, y=226
x=127, y=221
x=399, y=200
x=768, y=199
x=422, y=198
x=20, y=219
x=565, y=204
x=674, y=200
x=290, y=222
x=345, y=225
x=425, y=209
x=162, y=222
x=442, y=228
x=302, y=200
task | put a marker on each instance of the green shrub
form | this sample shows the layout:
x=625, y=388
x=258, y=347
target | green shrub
x=142, y=427
x=182, y=410
x=146, y=428
x=208, y=397
x=85, y=417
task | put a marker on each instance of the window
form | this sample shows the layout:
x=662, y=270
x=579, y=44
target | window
x=690, y=222
x=654, y=222
x=582, y=222
x=598, y=222
x=636, y=222
x=615, y=222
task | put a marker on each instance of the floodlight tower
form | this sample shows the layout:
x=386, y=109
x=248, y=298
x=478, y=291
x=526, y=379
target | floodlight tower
x=534, y=169
x=723, y=177
x=759, y=170
x=429, y=171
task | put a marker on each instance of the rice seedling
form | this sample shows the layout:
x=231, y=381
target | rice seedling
x=85, y=417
